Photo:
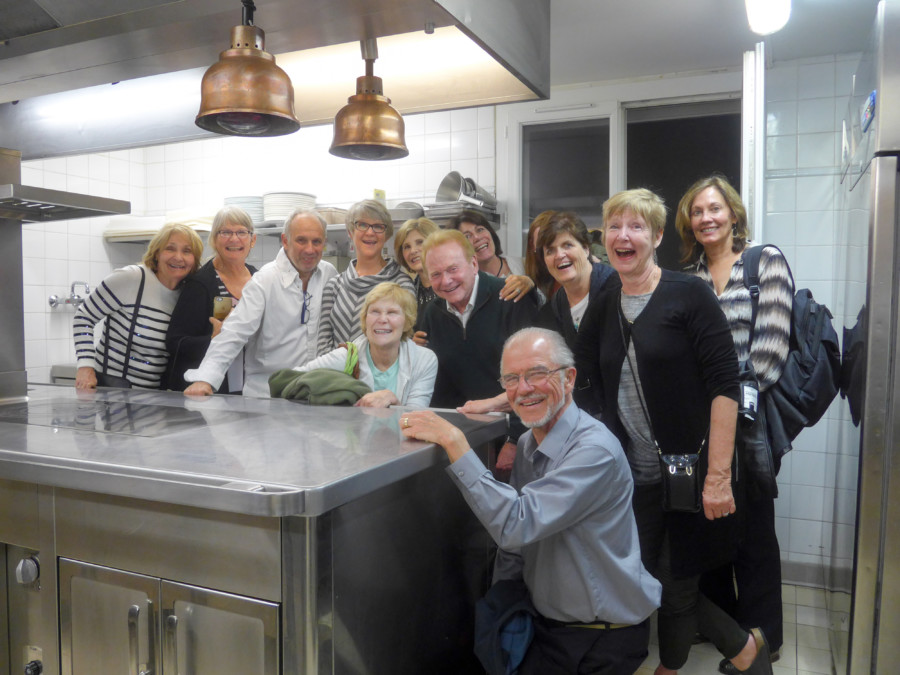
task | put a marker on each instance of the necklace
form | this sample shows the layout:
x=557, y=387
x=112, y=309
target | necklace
x=499, y=269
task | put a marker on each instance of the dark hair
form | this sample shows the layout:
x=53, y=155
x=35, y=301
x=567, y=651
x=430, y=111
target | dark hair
x=565, y=222
x=535, y=267
x=479, y=220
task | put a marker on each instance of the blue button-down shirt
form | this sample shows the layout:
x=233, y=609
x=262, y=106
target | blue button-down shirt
x=565, y=523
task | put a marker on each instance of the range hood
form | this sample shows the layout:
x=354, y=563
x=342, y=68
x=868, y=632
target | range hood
x=143, y=60
x=20, y=203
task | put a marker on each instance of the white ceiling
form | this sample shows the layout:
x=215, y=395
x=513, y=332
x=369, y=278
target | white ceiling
x=598, y=40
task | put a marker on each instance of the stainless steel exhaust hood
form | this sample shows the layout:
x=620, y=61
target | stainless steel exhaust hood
x=20, y=203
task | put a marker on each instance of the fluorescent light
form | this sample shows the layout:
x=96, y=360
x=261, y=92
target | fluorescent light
x=768, y=16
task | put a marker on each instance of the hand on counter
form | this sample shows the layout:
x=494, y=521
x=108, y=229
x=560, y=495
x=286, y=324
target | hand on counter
x=499, y=403
x=199, y=389
x=424, y=425
x=378, y=399
x=85, y=378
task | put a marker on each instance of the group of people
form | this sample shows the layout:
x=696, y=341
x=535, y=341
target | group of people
x=603, y=369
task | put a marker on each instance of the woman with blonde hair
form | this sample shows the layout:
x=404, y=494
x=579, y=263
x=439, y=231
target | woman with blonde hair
x=136, y=302
x=398, y=371
x=195, y=319
x=408, y=241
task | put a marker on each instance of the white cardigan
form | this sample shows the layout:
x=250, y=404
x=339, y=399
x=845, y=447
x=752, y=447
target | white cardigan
x=415, y=377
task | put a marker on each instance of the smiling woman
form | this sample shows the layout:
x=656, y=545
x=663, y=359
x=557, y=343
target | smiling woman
x=137, y=296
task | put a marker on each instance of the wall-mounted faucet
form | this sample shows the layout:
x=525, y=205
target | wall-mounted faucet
x=73, y=298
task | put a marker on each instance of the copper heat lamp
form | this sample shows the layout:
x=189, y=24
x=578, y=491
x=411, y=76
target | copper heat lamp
x=368, y=127
x=244, y=93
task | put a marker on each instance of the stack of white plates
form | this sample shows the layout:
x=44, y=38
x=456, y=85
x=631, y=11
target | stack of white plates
x=278, y=205
x=252, y=204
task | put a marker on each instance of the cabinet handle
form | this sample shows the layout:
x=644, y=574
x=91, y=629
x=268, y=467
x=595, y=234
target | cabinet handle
x=134, y=615
x=172, y=631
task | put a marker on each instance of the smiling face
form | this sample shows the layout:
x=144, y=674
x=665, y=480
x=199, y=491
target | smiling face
x=233, y=242
x=538, y=405
x=567, y=260
x=412, y=250
x=175, y=260
x=384, y=323
x=452, y=274
x=630, y=244
x=481, y=240
x=368, y=244
x=711, y=219
x=306, y=244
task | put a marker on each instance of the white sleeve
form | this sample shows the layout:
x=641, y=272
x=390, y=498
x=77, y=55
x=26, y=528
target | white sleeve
x=238, y=328
x=333, y=360
x=421, y=380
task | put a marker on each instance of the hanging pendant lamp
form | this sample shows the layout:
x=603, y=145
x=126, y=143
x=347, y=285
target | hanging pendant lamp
x=244, y=93
x=368, y=127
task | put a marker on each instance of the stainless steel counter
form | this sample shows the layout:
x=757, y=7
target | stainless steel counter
x=242, y=455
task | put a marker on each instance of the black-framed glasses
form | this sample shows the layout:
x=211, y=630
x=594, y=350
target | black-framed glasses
x=377, y=228
x=305, y=311
x=534, y=377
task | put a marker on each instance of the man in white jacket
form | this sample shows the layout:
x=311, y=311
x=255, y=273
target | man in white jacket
x=278, y=316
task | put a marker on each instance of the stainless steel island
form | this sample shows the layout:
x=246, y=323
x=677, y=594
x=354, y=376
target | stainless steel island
x=144, y=532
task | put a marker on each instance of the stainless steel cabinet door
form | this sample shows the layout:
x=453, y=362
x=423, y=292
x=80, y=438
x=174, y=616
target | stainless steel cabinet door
x=108, y=620
x=208, y=631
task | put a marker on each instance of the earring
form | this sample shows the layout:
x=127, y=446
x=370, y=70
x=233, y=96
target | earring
x=734, y=232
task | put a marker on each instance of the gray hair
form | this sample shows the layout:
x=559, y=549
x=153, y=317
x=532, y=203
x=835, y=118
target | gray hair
x=224, y=216
x=560, y=353
x=372, y=209
x=306, y=213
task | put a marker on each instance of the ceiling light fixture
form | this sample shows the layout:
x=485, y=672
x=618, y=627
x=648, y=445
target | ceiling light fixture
x=768, y=16
x=244, y=93
x=368, y=127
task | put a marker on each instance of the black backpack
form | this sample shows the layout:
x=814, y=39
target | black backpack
x=811, y=376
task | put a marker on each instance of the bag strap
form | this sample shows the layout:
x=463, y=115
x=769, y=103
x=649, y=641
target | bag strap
x=750, y=257
x=134, y=317
x=637, y=387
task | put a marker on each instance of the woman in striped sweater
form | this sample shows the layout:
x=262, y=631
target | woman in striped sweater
x=712, y=222
x=133, y=344
x=369, y=225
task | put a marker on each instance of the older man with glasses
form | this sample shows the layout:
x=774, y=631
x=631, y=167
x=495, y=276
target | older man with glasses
x=279, y=315
x=564, y=524
x=369, y=225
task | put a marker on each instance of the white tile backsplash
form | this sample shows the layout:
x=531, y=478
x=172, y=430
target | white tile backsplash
x=815, y=80
x=814, y=115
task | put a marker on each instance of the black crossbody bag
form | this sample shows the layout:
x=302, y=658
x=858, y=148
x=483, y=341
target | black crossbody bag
x=104, y=379
x=681, y=490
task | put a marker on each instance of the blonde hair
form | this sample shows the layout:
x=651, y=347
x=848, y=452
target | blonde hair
x=690, y=247
x=388, y=290
x=228, y=215
x=159, y=241
x=373, y=209
x=442, y=237
x=640, y=201
x=423, y=226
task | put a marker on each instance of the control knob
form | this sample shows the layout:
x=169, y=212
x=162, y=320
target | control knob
x=28, y=570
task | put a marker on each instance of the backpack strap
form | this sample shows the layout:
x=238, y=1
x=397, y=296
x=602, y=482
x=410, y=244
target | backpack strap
x=750, y=258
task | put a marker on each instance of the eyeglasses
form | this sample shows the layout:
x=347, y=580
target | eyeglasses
x=305, y=311
x=377, y=228
x=534, y=377
x=240, y=234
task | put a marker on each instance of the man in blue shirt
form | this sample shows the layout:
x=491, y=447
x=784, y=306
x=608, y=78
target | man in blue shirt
x=564, y=523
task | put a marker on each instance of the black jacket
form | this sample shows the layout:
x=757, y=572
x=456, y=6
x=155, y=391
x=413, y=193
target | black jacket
x=190, y=331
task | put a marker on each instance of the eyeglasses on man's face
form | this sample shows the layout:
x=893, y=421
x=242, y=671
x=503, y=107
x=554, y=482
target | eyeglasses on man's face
x=240, y=234
x=534, y=377
x=377, y=228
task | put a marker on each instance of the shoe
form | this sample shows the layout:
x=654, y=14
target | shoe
x=762, y=664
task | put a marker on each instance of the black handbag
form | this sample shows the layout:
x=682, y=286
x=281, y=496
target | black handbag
x=681, y=489
x=104, y=379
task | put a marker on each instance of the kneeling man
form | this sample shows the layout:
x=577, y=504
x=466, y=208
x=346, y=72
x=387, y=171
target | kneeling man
x=564, y=522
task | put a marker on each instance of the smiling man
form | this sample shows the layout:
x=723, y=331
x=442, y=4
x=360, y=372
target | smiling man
x=564, y=524
x=278, y=315
x=466, y=325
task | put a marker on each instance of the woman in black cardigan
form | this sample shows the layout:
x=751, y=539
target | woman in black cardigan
x=193, y=323
x=674, y=390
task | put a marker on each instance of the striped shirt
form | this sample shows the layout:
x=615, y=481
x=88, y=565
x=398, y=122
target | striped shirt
x=114, y=300
x=342, y=301
x=771, y=337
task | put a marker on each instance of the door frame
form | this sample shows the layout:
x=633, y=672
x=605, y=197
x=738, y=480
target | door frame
x=591, y=101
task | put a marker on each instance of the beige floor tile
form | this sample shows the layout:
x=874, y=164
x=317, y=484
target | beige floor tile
x=789, y=612
x=812, y=636
x=814, y=660
x=810, y=597
x=788, y=594
x=812, y=616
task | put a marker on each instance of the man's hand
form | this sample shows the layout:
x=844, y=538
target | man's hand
x=420, y=337
x=199, y=389
x=424, y=425
x=85, y=378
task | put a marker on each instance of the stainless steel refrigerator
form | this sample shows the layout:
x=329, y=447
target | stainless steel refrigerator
x=865, y=629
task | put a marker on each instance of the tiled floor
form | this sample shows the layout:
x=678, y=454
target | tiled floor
x=805, y=650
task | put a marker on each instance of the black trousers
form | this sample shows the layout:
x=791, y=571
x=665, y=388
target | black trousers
x=573, y=650
x=684, y=610
x=756, y=569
